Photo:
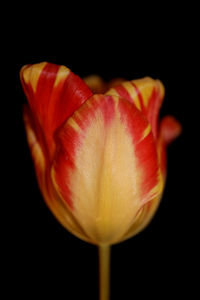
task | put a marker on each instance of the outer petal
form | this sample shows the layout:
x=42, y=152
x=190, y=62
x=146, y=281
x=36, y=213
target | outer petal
x=53, y=93
x=52, y=199
x=147, y=94
x=106, y=166
x=34, y=145
x=170, y=129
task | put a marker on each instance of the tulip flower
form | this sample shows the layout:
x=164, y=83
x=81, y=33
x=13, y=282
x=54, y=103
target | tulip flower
x=100, y=159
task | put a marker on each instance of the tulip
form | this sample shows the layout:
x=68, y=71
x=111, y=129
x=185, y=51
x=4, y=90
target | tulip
x=100, y=159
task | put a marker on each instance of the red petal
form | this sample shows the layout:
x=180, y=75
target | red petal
x=53, y=93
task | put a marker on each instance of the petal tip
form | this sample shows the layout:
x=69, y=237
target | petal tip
x=170, y=129
x=161, y=88
x=30, y=73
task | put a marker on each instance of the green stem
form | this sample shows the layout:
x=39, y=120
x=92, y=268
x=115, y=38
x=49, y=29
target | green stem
x=104, y=272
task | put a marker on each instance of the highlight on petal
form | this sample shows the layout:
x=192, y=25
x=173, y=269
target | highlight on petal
x=147, y=95
x=106, y=166
x=53, y=93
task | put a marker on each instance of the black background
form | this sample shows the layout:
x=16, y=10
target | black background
x=43, y=259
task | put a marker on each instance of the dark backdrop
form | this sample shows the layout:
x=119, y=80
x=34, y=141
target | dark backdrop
x=43, y=258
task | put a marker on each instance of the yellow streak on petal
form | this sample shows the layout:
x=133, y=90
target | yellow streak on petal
x=112, y=92
x=35, y=148
x=146, y=132
x=73, y=124
x=145, y=86
x=131, y=90
x=32, y=73
x=62, y=74
x=158, y=188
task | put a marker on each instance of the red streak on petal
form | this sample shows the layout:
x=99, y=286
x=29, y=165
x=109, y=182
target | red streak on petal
x=108, y=110
x=153, y=111
x=145, y=150
x=44, y=88
x=134, y=120
x=75, y=92
x=67, y=142
x=147, y=160
x=122, y=92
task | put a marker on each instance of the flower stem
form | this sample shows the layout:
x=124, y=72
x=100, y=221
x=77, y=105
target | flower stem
x=104, y=272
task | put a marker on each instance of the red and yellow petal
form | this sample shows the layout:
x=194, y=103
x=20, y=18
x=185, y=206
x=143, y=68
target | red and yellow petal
x=53, y=93
x=34, y=145
x=52, y=199
x=106, y=166
x=170, y=129
x=147, y=95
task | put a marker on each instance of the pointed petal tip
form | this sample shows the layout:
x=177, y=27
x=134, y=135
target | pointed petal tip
x=30, y=74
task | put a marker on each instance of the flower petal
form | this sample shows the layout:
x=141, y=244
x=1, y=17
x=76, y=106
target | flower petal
x=96, y=84
x=52, y=199
x=169, y=130
x=53, y=93
x=34, y=145
x=143, y=218
x=147, y=94
x=106, y=166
